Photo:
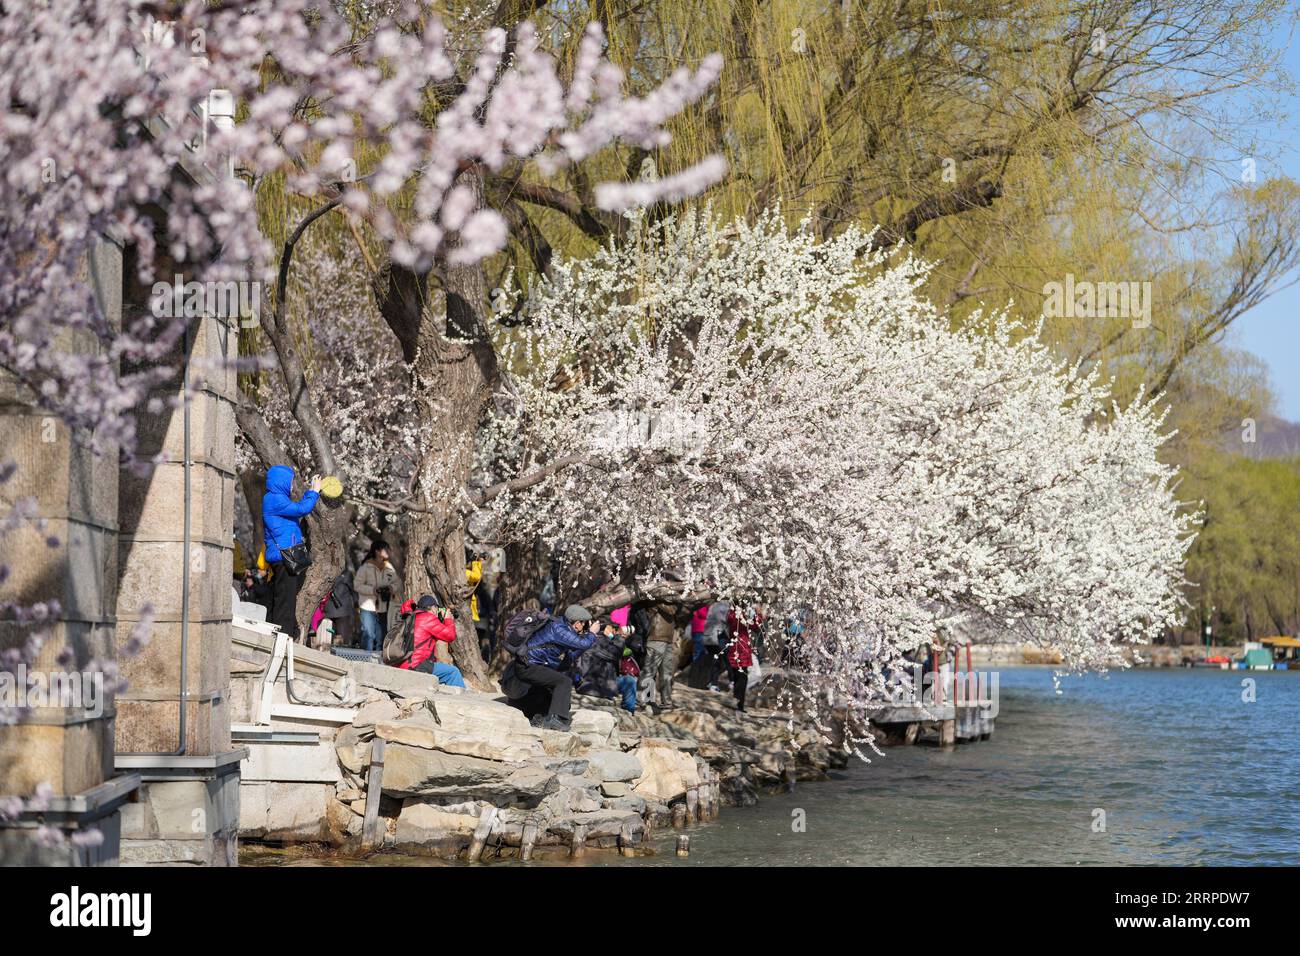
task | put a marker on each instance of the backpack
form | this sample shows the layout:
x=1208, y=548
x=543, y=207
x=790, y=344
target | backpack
x=399, y=642
x=341, y=599
x=521, y=627
x=597, y=668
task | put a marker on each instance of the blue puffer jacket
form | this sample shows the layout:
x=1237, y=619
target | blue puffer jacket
x=280, y=513
x=554, y=643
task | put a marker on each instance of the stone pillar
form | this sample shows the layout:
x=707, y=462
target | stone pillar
x=189, y=806
x=67, y=744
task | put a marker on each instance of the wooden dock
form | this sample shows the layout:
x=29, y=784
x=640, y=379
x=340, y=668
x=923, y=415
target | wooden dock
x=947, y=720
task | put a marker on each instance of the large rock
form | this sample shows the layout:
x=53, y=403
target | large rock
x=569, y=800
x=615, y=764
x=415, y=771
x=372, y=713
x=480, y=716
x=666, y=773
x=425, y=823
x=353, y=752
x=595, y=727
x=631, y=803
x=699, y=725
x=601, y=824
x=686, y=744
x=558, y=743
x=573, y=766
x=737, y=787
x=422, y=732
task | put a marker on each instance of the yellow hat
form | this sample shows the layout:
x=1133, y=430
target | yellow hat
x=331, y=487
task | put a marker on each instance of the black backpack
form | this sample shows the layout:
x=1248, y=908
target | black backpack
x=342, y=598
x=520, y=628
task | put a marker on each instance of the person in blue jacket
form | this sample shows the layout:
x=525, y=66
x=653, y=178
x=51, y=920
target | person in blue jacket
x=281, y=515
x=539, y=674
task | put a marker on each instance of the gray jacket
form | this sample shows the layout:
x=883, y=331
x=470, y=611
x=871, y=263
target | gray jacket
x=715, y=624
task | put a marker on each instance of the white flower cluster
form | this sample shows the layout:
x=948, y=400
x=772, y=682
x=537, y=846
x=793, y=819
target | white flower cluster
x=793, y=420
x=366, y=395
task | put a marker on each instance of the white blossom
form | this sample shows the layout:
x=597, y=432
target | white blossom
x=793, y=420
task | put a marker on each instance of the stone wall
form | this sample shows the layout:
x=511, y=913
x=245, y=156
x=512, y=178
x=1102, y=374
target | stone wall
x=68, y=748
x=153, y=558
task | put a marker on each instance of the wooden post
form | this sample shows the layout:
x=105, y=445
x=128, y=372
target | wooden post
x=937, y=681
x=679, y=815
x=683, y=845
x=374, y=789
x=578, y=842
x=626, y=845
x=481, y=833
x=956, y=661
x=529, y=839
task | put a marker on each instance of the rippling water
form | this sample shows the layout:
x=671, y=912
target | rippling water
x=1186, y=771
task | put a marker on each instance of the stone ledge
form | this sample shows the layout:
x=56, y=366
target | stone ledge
x=81, y=808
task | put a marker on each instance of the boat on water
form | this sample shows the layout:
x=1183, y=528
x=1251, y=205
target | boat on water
x=1269, y=653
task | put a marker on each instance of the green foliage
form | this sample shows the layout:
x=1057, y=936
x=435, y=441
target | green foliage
x=1246, y=559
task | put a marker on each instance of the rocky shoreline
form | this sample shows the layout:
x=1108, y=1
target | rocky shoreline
x=466, y=777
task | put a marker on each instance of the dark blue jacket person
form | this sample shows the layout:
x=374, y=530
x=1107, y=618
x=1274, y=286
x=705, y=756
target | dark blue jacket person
x=538, y=678
x=280, y=531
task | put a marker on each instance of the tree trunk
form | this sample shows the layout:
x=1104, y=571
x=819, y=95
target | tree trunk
x=455, y=370
x=329, y=528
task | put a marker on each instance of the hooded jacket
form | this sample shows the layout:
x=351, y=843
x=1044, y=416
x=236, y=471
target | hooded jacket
x=280, y=513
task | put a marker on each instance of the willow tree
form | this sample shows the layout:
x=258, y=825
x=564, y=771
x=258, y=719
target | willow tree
x=1014, y=144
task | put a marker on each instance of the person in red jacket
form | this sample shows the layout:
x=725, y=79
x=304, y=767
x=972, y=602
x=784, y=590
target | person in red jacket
x=740, y=653
x=435, y=629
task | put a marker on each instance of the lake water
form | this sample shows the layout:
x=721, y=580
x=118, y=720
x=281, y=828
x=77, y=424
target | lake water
x=1186, y=771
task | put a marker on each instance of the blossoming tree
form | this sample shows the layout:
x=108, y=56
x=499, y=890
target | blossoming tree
x=106, y=101
x=789, y=419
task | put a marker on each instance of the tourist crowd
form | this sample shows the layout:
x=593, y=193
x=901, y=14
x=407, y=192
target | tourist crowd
x=630, y=654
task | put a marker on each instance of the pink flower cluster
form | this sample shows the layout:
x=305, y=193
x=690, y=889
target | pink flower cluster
x=113, y=131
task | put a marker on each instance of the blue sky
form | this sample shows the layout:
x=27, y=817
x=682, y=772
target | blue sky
x=1272, y=330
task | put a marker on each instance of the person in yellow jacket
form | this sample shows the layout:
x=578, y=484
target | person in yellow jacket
x=473, y=575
